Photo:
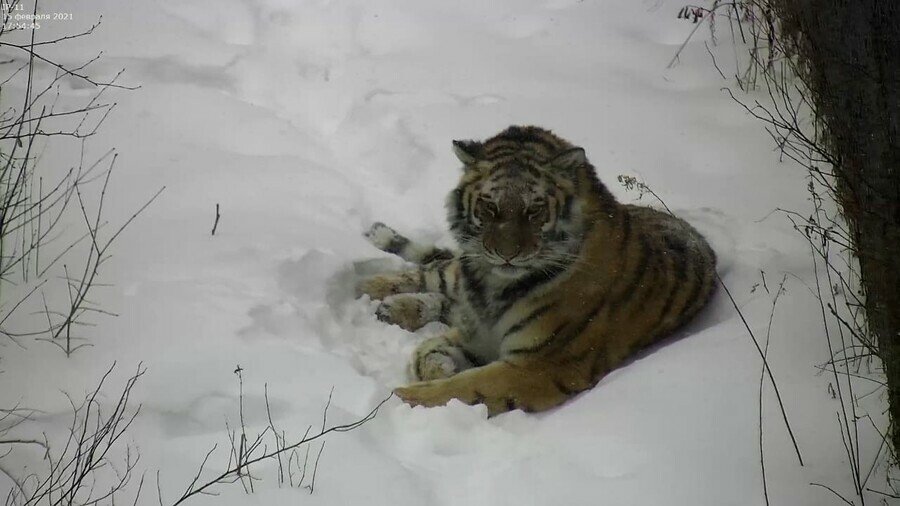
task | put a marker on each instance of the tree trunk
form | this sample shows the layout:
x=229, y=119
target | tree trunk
x=851, y=53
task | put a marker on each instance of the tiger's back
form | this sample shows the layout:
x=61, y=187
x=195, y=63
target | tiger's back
x=556, y=284
x=657, y=273
x=686, y=276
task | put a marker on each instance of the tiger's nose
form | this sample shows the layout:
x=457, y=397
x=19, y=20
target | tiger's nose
x=508, y=254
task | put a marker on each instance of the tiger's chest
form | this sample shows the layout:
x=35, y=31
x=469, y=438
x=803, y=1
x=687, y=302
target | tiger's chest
x=486, y=318
x=477, y=325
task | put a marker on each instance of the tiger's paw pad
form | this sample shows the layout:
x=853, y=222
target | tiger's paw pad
x=385, y=238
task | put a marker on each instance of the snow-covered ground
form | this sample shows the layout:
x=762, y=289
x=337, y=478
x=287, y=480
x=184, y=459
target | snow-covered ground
x=308, y=120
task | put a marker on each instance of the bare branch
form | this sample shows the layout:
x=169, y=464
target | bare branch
x=241, y=459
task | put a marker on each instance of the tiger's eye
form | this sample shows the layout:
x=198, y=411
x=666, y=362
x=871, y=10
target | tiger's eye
x=537, y=214
x=485, y=210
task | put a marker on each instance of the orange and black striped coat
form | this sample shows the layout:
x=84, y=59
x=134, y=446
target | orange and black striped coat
x=554, y=283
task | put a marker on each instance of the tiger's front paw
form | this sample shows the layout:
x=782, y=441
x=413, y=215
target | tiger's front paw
x=411, y=311
x=426, y=393
x=438, y=393
x=385, y=238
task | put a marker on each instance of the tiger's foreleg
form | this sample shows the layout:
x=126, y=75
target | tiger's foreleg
x=417, y=296
x=389, y=240
x=382, y=286
x=413, y=297
x=505, y=385
x=437, y=277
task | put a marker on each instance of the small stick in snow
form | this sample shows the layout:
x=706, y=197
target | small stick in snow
x=216, y=223
x=312, y=484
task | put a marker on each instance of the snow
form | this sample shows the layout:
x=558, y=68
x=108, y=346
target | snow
x=308, y=121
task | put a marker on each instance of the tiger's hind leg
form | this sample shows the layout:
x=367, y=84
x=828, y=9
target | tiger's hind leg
x=411, y=311
x=389, y=240
x=382, y=286
x=441, y=357
x=439, y=276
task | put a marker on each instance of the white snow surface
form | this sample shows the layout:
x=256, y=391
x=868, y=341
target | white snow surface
x=306, y=121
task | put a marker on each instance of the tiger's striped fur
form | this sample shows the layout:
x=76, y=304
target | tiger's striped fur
x=555, y=284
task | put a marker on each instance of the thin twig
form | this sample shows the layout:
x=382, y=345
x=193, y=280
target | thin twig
x=216, y=223
x=632, y=182
x=312, y=483
x=839, y=496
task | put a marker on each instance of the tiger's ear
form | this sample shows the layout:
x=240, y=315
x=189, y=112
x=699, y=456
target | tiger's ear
x=570, y=159
x=467, y=151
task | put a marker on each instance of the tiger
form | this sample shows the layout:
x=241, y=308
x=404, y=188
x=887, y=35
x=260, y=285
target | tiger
x=554, y=283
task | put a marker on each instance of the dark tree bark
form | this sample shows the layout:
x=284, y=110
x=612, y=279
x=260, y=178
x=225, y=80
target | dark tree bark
x=850, y=53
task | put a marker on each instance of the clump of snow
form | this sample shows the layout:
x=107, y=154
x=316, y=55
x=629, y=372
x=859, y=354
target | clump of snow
x=308, y=121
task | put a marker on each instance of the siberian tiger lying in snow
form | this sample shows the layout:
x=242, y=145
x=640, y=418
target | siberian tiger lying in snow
x=555, y=284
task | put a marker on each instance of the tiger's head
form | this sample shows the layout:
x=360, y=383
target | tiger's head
x=518, y=205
